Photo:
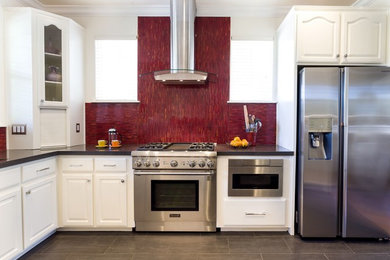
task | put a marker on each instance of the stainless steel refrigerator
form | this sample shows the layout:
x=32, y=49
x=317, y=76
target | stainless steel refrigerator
x=343, y=155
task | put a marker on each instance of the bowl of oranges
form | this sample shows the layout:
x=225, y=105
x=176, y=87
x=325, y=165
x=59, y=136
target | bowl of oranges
x=237, y=142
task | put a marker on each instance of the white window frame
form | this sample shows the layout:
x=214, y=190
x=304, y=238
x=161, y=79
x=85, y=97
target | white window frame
x=273, y=91
x=95, y=99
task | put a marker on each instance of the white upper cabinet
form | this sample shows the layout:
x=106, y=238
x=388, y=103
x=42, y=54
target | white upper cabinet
x=318, y=35
x=52, y=45
x=363, y=37
x=43, y=78
x=341, y=37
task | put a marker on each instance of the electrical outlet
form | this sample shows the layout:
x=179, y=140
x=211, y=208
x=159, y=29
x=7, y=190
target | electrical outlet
x=77, y=127
x=19, y=129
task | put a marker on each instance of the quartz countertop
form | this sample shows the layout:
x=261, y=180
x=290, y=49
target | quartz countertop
x=14, y=157
x=263, y=150
x=17, y=156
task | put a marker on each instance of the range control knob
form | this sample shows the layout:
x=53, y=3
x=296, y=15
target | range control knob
x=174, y=163
x=210, y=164
x=138, y=163
x=201, y=164
x=191, y=164
x=146, y=163
x=156, y=163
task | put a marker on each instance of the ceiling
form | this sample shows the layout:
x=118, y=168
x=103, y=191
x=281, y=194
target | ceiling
x=260, y=8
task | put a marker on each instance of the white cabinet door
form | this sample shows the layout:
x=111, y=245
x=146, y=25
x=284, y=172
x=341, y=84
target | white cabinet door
x=318, y=37
x=11, y=236
x=77, y=200
x=39, y=209
x=110, y=200
x=363, y=37
x=52, y=39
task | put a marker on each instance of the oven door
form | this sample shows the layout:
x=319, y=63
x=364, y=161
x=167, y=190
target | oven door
x=172, y=201
x=255, y=181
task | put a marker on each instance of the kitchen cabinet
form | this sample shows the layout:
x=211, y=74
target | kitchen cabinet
x=39, y=209
x=11, y=235
x=77, y=207
x=76, y=191
x=110, y=199
x=254, y=213
x=96, y=192
x=341, y=37
x=44, y=78
x=110, y=191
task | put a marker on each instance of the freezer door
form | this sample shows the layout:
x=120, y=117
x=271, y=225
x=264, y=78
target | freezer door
x=318, y=152
x=366, y=197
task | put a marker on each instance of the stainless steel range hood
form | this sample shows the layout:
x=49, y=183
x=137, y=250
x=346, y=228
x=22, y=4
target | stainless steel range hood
x=182, y=71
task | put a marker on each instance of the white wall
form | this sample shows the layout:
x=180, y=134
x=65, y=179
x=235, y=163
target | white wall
x=102, y=27
x=125, y=27
x=254, y=28
x=3, y=117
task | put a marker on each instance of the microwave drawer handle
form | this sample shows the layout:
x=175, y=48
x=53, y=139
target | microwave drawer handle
x=255, y=214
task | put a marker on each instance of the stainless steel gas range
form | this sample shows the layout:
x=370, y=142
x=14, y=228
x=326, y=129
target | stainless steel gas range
x=175, y=187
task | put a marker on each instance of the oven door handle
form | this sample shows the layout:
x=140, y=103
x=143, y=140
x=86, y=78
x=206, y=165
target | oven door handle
x=184, y=172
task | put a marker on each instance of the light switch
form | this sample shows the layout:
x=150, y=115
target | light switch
x=19, y=129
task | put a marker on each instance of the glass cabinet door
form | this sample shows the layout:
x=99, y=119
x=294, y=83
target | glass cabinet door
x=53, y=89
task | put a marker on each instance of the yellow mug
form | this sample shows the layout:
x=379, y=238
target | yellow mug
x=102, y=142
x=115, y=143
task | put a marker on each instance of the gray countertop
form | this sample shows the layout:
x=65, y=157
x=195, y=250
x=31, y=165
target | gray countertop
x=14, y=157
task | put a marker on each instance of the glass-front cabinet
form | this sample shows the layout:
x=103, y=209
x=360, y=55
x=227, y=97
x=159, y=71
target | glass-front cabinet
x=53, y=68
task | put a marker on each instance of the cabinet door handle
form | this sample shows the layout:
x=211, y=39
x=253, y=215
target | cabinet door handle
x=338, y=56
x=255, y=214
x=345, y=55
x=43, y=169
x=28, y=192
x=109, y=165
x=88, y=181
x=123, y=181
x=75, y=165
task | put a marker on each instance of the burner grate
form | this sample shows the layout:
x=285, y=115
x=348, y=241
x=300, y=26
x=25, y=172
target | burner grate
x=154, y=147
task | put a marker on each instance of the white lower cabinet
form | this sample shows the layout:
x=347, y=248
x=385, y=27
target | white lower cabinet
x=11, y=235
x=254, y=212
x=110, y=200
x=95, y=192
x=39, y=209
x=77, y=200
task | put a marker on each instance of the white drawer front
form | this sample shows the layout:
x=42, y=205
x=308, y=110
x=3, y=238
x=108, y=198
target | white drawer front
x=9, y=177
x=107, y=164
x=254, y=213
x=38, y=169
x=75, y=164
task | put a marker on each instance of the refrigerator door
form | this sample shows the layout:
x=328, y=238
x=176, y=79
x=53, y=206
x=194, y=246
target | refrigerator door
x=366, y=197
x=318, y=152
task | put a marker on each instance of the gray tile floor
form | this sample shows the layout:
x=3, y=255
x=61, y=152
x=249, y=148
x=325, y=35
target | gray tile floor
x=202, y=246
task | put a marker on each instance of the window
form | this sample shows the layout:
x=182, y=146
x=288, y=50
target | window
x=251, y=71
x=116, y=70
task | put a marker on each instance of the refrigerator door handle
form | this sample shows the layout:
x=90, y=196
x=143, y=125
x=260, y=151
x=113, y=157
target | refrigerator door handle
x=344, y=147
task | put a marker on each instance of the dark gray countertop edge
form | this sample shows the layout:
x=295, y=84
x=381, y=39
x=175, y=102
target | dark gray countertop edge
x=264, y=153
x=46, y=154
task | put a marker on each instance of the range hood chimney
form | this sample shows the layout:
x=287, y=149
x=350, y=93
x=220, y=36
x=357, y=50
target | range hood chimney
x=182, y=70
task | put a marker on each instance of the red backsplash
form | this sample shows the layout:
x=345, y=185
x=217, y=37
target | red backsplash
x=180, y=113
x=3, y=138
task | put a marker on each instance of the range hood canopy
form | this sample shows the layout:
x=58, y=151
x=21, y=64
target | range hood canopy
x=182, y=70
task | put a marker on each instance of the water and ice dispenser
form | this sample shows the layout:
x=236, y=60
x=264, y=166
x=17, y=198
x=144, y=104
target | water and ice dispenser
x=320, y=138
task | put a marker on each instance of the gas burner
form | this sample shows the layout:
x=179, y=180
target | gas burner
x=201, y=147
x=154, y=147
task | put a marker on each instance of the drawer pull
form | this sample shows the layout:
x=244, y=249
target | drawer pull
x=76, y=165
x=123, y=181
x=88, y=181
x=44, y=169
x=109, y=165
x=255, y=214
x=28, y=192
